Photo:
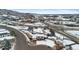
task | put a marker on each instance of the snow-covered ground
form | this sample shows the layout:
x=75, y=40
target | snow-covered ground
x=67, y=42
x=75, y=33
x=40, y=32
x=46, y=42
x=59, y=36
x=75, y=47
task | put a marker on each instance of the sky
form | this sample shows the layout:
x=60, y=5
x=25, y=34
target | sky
x=49, y=11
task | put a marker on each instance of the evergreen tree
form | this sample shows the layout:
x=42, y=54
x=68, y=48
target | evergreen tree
x=7, y=44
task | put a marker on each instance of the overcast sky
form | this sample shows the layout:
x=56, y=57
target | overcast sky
x=49, y=11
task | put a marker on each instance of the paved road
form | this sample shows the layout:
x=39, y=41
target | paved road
x=63, y=27
x=55, y=28
x=21, y=43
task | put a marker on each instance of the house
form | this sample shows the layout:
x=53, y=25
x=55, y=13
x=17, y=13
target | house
x=5, y=34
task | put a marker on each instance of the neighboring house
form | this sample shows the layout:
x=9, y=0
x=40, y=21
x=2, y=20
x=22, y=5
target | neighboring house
x=5, y=34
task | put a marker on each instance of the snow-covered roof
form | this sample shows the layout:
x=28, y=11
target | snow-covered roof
x=68, y=42
x=4, y=15
x=39, y=23
x=49, y=37
x=65, y=19
x=28, y=24
x=8, y=37
x=23, y=28
x=4, y=31
x=38, y=30
x=47, y=31
x=41, y=35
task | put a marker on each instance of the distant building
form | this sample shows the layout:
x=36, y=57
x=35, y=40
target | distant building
x=27, y=21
